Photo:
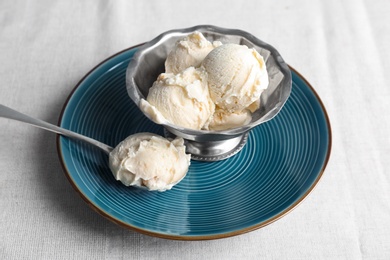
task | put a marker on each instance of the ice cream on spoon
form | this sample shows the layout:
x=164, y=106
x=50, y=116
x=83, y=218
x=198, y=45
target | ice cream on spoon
x=149, y=160
x=143, y=160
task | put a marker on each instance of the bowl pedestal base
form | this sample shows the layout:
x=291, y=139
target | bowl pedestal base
x=212, y=151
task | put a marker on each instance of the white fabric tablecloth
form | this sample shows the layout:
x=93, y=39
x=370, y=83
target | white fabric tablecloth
x=340, y=47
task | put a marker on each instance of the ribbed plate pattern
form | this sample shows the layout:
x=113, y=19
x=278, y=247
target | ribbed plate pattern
x=281, y=163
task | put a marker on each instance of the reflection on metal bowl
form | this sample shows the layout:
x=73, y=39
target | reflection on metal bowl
x=148, y=63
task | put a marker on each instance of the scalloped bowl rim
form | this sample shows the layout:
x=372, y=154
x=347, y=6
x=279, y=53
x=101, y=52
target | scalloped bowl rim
x=136, y=95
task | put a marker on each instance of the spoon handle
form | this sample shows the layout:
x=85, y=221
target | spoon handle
x=9, y=113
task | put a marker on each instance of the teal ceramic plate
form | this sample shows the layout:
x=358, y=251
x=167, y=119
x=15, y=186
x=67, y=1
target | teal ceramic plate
x=279, y=166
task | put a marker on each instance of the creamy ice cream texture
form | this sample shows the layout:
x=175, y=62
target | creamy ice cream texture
x=182, y=99
x=149, y=160
x=189, y=52
x=222, y=119
x=237, y=76
x=207, y=86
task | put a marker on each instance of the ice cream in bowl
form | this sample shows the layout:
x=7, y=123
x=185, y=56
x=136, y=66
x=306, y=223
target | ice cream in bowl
x=209, y=86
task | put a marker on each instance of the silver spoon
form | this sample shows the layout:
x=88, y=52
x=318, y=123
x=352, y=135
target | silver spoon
x=9, y=113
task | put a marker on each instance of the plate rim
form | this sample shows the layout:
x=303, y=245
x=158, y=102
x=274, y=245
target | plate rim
x=181, y=237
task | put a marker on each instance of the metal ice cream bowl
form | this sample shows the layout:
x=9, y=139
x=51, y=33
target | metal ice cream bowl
x=148, y=62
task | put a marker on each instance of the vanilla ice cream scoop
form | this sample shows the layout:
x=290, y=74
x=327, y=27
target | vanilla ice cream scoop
x=189, y=52
x=237, y=76
x=149, y=160
x=181, y=99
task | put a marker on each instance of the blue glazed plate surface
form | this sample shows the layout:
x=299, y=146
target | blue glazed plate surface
x=279, y=166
